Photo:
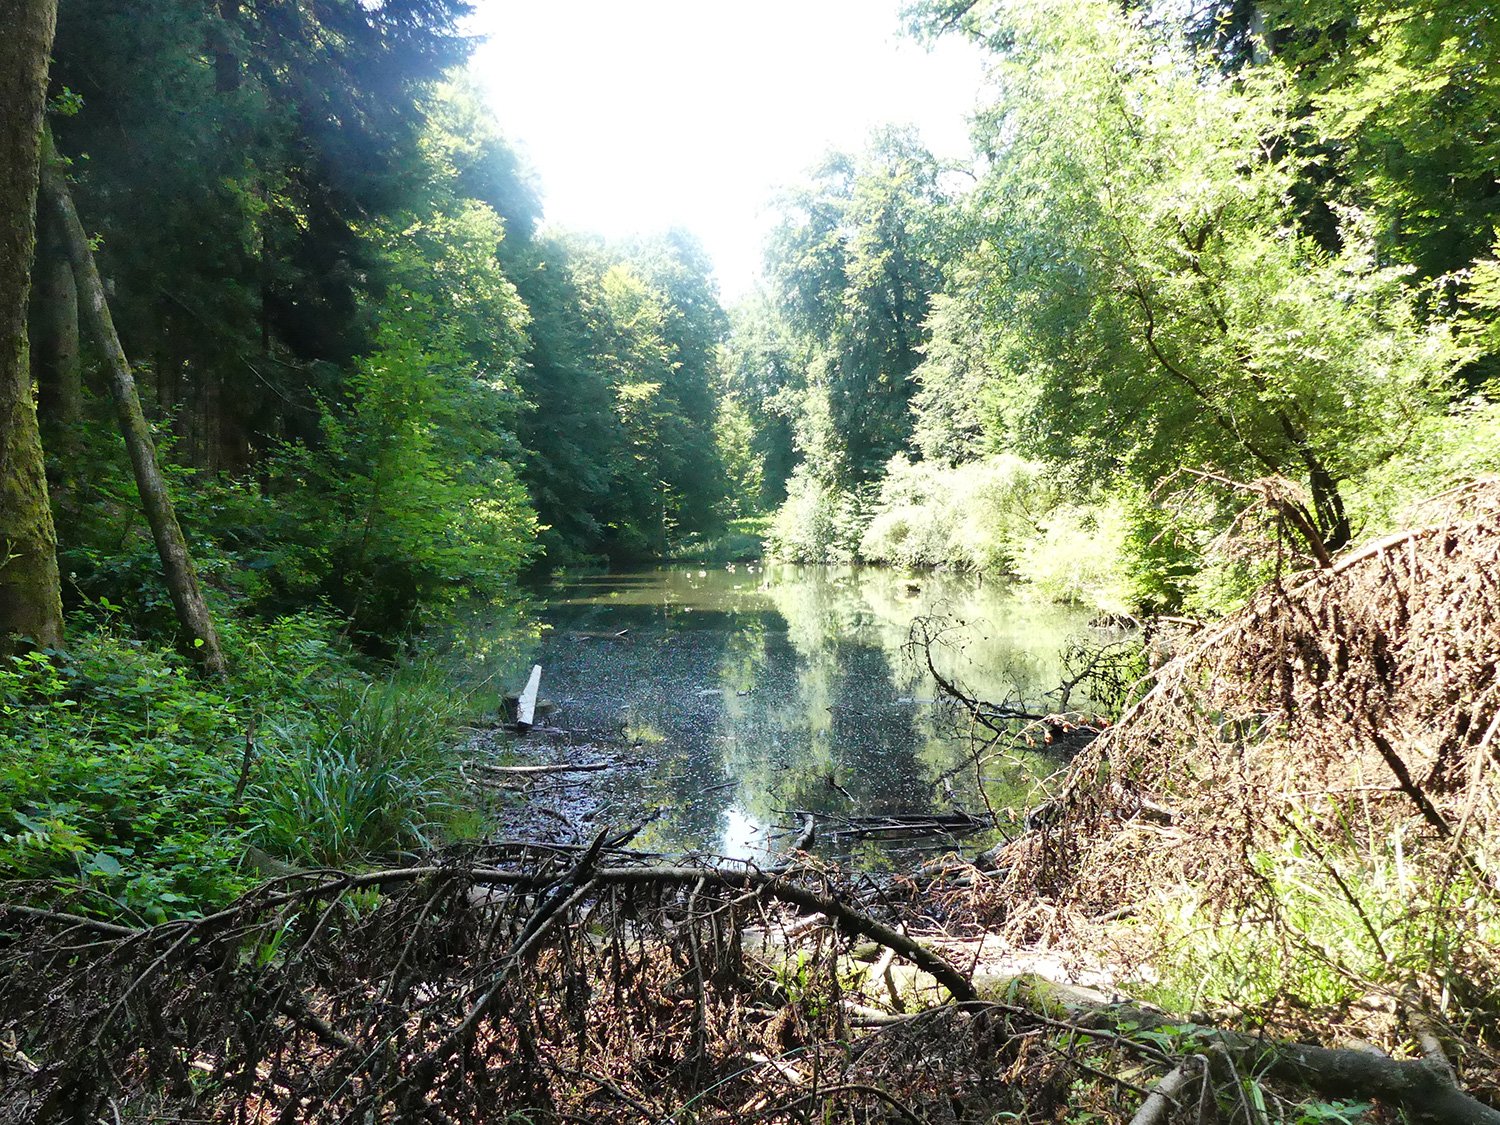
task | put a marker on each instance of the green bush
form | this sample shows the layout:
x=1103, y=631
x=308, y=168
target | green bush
x=1078, y=557
x=118, y=777
x=975, y=516
x=816, y=523
x=129, y=785
x=1443, y=449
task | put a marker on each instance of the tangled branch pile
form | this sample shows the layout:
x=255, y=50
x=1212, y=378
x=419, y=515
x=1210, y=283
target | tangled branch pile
x=1301, y=817
x=559, y=989
x=1310, y=791
x=554, y=989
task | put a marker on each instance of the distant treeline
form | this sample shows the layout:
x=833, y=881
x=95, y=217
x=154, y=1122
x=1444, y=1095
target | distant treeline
x=1230, y=271
x=381, y=387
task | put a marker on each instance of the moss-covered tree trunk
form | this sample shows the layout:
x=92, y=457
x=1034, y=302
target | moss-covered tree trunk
x=30, y=602
x=177, y=563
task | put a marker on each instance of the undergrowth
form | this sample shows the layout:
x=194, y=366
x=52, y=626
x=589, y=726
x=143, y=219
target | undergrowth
x=1349, y=924
x=129, y=785
x=1298, y=823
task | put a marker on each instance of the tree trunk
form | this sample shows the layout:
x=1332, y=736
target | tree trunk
x=55, y=360
x=177, y=563
x=30, y=597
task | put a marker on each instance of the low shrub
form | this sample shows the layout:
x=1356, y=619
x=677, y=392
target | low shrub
x=118, y=779
x=1079, y=557
x=975, y=516
x=130, y=785
x=817, y=522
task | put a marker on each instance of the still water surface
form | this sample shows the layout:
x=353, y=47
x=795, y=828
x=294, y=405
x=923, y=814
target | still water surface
x=742, y=696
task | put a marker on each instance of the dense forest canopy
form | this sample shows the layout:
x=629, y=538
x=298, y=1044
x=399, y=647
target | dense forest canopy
x=1206, y=262
x=1241, y=242
x=314, y=384
x=326, y=266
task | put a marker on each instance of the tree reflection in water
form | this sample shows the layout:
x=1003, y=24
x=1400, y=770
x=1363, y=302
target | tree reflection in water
x=751, y=694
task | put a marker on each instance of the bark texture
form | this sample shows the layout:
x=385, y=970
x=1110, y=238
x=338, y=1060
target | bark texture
x=181, y=575
x=55, y=359
x=30, y=601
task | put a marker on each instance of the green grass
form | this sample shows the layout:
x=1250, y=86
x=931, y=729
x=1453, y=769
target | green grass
x=1330, y=925
x=371, y=776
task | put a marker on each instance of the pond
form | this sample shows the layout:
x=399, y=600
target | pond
x=737, y=700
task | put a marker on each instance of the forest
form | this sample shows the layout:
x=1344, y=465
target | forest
x=304, y=401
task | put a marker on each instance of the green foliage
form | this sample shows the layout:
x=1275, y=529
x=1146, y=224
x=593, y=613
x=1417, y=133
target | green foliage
x=817, y=522
x=1160, y=269
x=118, y=778
x=361, y=318
x=130, y=786
x=1355, y=911
x=855, y=263
x=1160, y=306
x=975, y=516
x=744, y=467
x=1403, y=100
x=1078, y=557
x=421, y=515
x=763, y=371
x=742, y=540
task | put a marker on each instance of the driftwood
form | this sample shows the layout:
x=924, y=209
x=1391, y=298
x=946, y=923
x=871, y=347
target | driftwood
x=807, y=834
x=1425, y=1090
x=881, y=825
x=526, y=704
x=1163, y=1096
x=534, y=771
x=911, y=824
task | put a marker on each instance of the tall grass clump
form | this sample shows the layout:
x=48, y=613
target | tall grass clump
x=371, y=775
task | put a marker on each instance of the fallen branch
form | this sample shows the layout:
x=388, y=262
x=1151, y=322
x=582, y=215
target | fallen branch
x=532, y=771
x=1163, y=1097
x=1424, y=1090
x=331, y=884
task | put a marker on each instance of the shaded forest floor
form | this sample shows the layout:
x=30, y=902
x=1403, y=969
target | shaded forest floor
x=1289, y=837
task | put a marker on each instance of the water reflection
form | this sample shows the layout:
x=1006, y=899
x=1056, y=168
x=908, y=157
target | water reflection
x=750, y=694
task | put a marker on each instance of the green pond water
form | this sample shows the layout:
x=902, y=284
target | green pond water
x=734, y=699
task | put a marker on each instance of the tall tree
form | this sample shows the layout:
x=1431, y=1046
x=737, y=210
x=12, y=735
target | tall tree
x=763, y=371
x=1156, y=301
x=855, y=263
x=177, y=563
x=238, y=152
x=30, y=602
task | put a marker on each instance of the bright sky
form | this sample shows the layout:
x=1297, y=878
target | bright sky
x=639, y=115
